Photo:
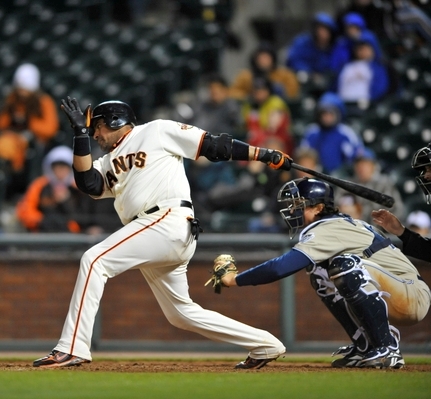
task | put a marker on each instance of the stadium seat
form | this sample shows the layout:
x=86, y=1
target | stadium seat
x=394, y=147
x=417, y=202
x=404, y=177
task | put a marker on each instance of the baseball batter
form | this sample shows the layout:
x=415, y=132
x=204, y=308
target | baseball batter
x=143, y=170
x=361, y=277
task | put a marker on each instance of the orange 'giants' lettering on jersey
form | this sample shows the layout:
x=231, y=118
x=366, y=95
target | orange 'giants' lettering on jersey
x=125, y=163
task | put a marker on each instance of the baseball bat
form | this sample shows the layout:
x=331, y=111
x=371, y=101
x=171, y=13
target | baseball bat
x=349, y=186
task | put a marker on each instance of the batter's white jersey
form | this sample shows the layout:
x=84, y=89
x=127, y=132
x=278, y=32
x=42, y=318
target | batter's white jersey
x=146, y=167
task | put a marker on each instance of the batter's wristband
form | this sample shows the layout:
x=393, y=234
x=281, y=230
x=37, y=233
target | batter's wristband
x=81, y=145
x=239, y=150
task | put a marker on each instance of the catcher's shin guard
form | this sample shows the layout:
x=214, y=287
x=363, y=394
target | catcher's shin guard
x=339, y=308
x=349, y=277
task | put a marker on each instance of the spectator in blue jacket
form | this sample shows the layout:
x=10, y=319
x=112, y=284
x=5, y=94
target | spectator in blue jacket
x=311, y=52
x=336, y=143
x=354, y=27
x=366, y=77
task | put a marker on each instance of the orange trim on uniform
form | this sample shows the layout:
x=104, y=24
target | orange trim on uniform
x=121, y=139
x=200, y=145
x=91, y=269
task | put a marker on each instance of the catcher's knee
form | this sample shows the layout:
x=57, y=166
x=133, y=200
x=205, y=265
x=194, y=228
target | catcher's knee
x=348, y=274
x=320, y=282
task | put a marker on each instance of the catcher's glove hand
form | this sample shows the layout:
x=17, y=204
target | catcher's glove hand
x=223, y=264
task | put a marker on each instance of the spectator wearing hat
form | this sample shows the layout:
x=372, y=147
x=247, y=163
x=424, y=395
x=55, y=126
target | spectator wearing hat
x=353, y=27
x=371, y=11
x=28, y=122
x=419, y=222
x=264, y=64
x=367, y=172
x=310, y=52
x=336, y=143
x=52, y=203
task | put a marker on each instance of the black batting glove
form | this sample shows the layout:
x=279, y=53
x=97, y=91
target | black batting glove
x=80, y=121
x=274, y=159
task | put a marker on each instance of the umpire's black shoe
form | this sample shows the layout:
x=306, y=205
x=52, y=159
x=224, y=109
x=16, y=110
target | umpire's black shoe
x=251, y=363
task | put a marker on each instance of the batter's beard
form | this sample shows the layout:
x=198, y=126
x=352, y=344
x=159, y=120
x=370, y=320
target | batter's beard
x=104, y=146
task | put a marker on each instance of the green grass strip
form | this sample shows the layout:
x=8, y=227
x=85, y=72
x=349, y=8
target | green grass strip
x=65, y=384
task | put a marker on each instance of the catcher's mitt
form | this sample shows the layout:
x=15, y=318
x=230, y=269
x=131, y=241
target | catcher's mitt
x=223, y=264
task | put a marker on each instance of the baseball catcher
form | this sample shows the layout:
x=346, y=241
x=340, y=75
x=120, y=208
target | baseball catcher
x=366, y=283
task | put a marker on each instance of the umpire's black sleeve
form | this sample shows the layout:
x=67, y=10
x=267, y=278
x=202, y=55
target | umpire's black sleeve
x=90, y=181
x=415, y=245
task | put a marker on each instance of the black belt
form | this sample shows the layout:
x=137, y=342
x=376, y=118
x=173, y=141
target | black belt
x=183, y=203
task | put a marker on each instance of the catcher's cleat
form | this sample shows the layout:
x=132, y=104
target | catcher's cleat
x=251, y=363
x=351, y=359
x=345, y=350
x=382, y=358
x=59, y=359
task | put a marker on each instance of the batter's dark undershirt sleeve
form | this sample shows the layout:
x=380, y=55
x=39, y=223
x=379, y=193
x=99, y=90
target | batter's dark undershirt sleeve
x=274, y=269
x=223, y=148
x=415, y=245
x=89, y=182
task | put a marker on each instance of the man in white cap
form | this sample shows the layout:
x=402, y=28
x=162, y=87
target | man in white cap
x=28, y=120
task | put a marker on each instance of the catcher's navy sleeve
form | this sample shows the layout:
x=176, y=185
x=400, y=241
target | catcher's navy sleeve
x=274, y=269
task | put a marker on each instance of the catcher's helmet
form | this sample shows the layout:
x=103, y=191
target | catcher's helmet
x=116, y=114
x=299, y=194
x=420, y=160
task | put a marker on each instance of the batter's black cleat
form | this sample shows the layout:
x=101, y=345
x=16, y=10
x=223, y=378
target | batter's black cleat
x=251, y=363
x=59, y=359
x=382, y=358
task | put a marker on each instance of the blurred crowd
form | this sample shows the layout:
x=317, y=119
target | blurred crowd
x=347, y=60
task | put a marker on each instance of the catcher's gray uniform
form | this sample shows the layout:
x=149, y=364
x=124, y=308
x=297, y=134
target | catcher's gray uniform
x=391, y=272
x=361, y=277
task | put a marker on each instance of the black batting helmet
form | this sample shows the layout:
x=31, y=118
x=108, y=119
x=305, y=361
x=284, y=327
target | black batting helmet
x=299, y=194
x=116, y=114
x=420, y=160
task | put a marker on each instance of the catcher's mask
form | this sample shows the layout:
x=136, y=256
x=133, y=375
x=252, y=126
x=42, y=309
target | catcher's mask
x=115, y=114
x=421, y=159
x=300, y=193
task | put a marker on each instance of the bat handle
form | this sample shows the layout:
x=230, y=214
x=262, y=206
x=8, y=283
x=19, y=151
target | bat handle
x=287, y=165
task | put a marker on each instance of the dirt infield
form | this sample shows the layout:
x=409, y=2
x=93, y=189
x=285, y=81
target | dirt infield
x=197, y=366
